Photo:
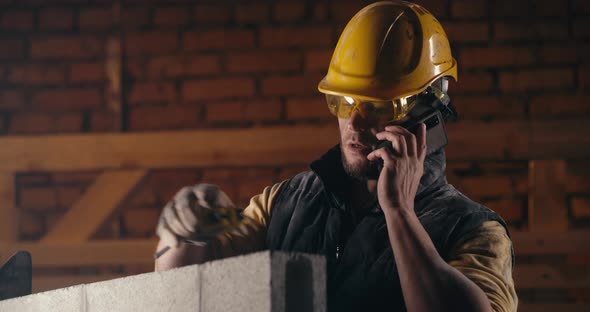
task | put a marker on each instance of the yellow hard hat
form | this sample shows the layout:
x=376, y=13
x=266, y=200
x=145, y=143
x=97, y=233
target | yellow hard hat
x=389, y=50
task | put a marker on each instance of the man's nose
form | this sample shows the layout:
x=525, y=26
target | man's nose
x=357, y=122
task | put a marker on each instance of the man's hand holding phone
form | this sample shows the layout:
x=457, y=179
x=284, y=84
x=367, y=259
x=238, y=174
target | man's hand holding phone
x=403, y=166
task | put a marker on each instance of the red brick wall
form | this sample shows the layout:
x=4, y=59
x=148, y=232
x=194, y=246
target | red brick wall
x=218, y=64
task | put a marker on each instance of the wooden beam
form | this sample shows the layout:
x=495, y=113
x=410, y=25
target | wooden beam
x=273, y=146
x=244, y=147
x=107, y=252
x=8, y=210
x=547, y=197
x=97, y=204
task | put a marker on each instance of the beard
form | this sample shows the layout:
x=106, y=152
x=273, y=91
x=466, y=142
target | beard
x=357, y=169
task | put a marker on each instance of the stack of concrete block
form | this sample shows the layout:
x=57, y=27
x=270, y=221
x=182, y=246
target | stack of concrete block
x=264, y=281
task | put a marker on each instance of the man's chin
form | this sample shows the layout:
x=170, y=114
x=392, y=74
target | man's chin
x=357, y=169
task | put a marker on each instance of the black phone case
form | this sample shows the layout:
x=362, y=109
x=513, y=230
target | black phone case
x=436, y=138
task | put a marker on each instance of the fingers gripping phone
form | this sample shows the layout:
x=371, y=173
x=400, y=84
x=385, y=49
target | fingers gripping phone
x=436, y=138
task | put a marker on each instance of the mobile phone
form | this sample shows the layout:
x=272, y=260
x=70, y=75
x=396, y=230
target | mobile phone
x=436, y=138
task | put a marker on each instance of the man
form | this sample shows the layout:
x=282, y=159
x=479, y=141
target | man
x=397, y=237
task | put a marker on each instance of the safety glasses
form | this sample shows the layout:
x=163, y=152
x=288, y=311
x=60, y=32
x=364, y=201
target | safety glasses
x=382, y=111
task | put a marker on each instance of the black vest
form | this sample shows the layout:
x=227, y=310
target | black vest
x=308, y=215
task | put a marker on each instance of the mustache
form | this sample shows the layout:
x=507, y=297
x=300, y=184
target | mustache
x=364, y=138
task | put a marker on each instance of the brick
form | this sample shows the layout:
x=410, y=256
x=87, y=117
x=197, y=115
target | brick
x=507, y=8
x=318, y=60
x=581, y=26
x=584, y=74
x=164, y=118
x=552, y=105
x=136, y=67
x=145, y=198
x=152, y=92
x=319, y=10
x=31, y=227
x=547, y=8
x=176, y=177
x=459, y=32
x=66, y=47
x=511, y=210
x=485, y=107
x=16, y=20
x=537, y=79
x=308, y=108
x=438, y=8
x=56, y=19
x=135, y=18
x=289, y=172
x=288, y=11
x=488, y=186
x=36, y=74
x=11, y=48
x=581, y=7
x=87, y=72
x=218, y=39
x=497, y=57
x=102, y=121
x=343, y=11
x=578, y=183
x=205, y=13
x=140, y=222
x=177, y=16
x=217, y=88
x=183, y=66
x=291, y=85
x=38, y=198
x=244, y=110
x=529, y=31
x=580, y=207
x=307, y=36
x=562, y=53
x=522, y=185
x=99, y=18
x=469, y=9
x=236, y=175
x=251, y=188
x=12, y=100
x=67, y=195
x=252, y=12
x=67, y=99
x=471, y=82
x=263, y=62
x=151, y=43
x=40, y=123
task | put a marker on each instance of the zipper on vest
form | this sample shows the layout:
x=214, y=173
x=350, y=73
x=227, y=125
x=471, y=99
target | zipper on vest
x=337, y=251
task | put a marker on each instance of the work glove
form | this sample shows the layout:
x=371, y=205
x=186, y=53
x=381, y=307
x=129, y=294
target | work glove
x=196, y=214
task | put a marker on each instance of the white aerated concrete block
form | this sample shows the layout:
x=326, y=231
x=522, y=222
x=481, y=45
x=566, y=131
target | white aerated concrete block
x=70, y=299
x=259, y=282
x=264, y=281
x=174, y=290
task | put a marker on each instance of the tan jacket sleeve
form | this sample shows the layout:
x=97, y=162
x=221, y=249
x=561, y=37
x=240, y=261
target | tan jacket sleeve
x=251, y=234
x=485, y=257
